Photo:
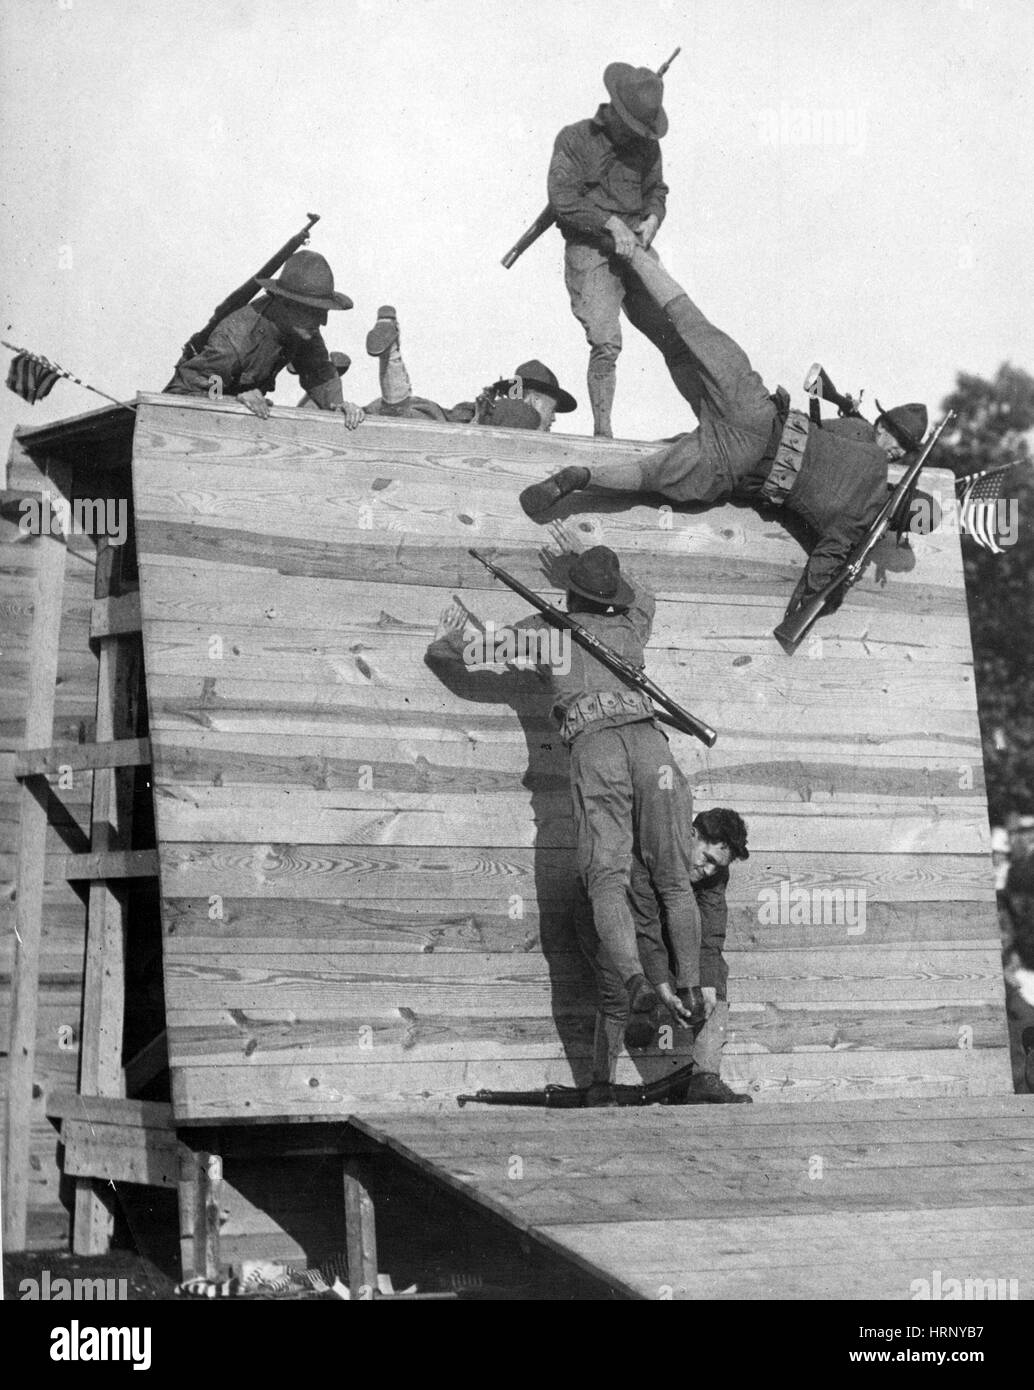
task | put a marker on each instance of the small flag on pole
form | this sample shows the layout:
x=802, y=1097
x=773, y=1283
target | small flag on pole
x=978, y=509
x=31, y=377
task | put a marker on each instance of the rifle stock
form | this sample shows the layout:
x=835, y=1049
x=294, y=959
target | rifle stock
x=575, y=1097
x=245, y=293
x=676, y=717
x=818, y=383
x=796, y=625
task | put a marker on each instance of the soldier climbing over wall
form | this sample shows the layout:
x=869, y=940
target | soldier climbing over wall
x=750, y=445
x=247, y=350
x=528, y=400
x=627, y=790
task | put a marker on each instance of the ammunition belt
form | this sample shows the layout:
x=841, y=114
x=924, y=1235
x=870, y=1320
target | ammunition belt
x=789, y=456
x=590, y=709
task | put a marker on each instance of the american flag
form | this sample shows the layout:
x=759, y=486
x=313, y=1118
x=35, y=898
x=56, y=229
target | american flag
x=978, y=508
x=31, y=377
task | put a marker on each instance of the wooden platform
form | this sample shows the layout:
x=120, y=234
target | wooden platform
x=366, y=873
x=852, y=1200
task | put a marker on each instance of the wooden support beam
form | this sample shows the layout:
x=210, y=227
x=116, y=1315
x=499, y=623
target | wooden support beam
x=111, y=617
x=106, y=1110
x=200, y=1177
x=83, y=757
x=119, y=678
x=31, y=876
x=360, y=1232
x=129, y=863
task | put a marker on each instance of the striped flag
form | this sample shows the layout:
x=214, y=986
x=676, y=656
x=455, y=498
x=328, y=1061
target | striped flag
x=31, y=377
x=978, y=509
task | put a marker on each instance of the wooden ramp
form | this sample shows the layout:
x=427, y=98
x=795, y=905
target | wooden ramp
x=850, y=1200
x=367, y=877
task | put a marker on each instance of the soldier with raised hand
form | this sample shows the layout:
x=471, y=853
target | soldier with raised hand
x=529, y=400
x=248, y=349
x=607, y=191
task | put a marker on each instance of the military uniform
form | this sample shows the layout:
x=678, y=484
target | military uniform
x=747, y=444
x=628, y=793
x=246, y=352
x=594, y=175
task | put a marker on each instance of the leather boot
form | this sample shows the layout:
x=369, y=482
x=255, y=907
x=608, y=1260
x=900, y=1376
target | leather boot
x=536, y=500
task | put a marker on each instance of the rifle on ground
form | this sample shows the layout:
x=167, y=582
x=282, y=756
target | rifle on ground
x=799, y=620
x=547, y=216
x=574, y=1097
x=819, y=386
x=247, y=292
x=676, y=717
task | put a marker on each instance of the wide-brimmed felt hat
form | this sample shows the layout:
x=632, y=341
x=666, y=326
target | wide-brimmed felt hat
x=306, y=278
x=596, y=575
x=538, y=377
x=907, y=423
x=636, y=95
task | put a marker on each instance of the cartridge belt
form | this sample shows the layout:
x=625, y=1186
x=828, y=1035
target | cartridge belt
x=592, y=708
x=789, y=456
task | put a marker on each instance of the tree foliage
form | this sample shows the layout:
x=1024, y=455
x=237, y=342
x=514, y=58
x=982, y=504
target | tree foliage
x=995, y=425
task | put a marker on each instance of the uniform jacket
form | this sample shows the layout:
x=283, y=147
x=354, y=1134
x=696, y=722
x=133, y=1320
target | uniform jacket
x=246, y=352
x=714, y=917
x=839, y=490
x=590, y=180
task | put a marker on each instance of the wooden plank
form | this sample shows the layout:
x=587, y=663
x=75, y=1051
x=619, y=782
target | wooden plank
x=184, y=592
x=199, y=1183
x=343, y=1090
x=109, y=1110
x=367, y=816
x=114, y=864
x=125, y=752
x=365, y=873
x=39, y=717
x=257, y=924
x=120, y=1153
x=205, y=1037
x=115, y=614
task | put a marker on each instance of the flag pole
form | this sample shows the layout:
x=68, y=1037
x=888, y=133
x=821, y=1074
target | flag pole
x=61, y=371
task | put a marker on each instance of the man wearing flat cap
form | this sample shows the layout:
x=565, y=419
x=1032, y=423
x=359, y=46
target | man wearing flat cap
x=608, y=193
x=250, y=347
x=750, y=445
x=526, y=401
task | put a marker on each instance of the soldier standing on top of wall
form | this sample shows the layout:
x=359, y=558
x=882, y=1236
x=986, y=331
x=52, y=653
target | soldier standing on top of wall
x=607, y=190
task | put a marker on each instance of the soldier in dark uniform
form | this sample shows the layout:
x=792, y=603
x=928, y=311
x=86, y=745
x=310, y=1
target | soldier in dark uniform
x=627, y=791
x=719, y=837
x=607, y=190
x=250, y=347
x=750, y=445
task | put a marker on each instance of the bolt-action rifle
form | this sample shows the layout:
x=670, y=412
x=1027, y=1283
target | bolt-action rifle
x=574, y=1097
x=547, y=216
x=247, y=292
x=676, y=717
x=800, y=618
x=819, y=386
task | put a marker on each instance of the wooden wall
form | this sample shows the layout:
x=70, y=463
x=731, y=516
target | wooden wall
x=367, y=877
x=64, y=921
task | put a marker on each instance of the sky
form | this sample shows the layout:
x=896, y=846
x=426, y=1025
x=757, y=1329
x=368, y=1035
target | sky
x=850, y=183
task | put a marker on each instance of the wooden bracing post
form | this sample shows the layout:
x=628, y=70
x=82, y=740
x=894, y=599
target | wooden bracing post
x=101, y=1073
x=31, y=877
x=200, y=1177
x=360, y=1233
